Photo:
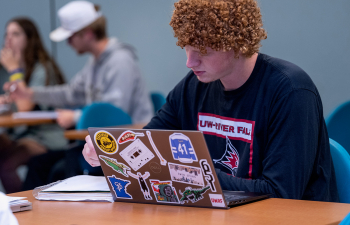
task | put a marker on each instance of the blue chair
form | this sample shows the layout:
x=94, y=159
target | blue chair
x=100, y=115
x=341, y=161
x=158, y=100
x=338, y=125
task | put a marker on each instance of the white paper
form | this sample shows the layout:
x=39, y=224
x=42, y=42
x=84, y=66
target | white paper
x=12, y=199
x=83, y=183
x=35, y=115
x=90, y=197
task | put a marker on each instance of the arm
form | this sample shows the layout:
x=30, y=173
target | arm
x=11, y=61
x=132, y=175
x=291, y=148
x=66, y=95
x=146, y=175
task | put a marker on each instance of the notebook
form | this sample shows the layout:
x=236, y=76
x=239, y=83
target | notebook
x=162, y=167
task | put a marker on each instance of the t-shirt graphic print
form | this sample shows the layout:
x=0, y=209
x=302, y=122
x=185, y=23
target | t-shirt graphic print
x=228, y=128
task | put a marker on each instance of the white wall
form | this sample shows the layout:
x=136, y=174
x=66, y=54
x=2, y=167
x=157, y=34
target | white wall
x=313, y=34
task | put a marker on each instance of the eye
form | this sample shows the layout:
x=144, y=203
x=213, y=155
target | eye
x=16, y=34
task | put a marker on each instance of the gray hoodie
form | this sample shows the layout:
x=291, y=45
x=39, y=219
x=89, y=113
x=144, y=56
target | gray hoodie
x=114, y=77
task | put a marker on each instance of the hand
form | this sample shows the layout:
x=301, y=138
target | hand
x=18, y=90
x=10, y=59
x=4, y=99
x=65, y=118
x=89, y=153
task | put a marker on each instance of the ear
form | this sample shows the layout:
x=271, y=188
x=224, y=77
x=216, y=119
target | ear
x=89, y=34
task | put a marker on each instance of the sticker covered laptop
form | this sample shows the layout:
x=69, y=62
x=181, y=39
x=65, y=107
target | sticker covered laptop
x=160, y=167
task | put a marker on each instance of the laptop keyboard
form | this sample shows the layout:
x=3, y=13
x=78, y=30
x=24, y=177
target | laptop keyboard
x=234, y=198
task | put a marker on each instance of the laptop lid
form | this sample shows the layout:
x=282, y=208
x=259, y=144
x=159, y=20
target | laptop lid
x=158, y=167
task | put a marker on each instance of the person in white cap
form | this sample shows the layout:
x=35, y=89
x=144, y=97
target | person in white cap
x=111, y=75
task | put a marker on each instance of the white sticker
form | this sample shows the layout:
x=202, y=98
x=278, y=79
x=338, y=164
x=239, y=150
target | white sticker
x=137, y=154
x=217, y=200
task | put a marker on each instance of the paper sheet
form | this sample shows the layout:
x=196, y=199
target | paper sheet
x=84, y=183
x=35, y=115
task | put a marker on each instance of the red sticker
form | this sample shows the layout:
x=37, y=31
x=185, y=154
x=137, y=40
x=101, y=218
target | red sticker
x=129, y=136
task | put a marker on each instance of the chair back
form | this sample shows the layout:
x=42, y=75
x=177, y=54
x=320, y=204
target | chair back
x=338, y=125
x=158, y=100
x=99, y=114
x=341, y=161
x=102, y=114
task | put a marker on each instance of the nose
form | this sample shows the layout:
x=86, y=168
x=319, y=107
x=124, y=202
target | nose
x=192, y=59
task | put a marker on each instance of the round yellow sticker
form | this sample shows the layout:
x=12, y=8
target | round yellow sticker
x=106, y=142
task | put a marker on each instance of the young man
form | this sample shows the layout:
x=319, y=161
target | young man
x=110, y=75
x=262, y=117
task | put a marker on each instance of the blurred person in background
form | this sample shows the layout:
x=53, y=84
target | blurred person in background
x=24, y=60
x=110, y=75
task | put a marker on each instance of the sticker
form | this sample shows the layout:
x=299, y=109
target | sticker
x=155, y=167
x=136, y=154
x=164, y=191
x=119, y=187
x=115, y=165
x=182, y=148
x=142, y=182
x=186, y=174
x=217, y=200
x=193, y=195
x=230, y=159
x=208, y=174
x=106, y=142
x=128, y=136
x=162, y=160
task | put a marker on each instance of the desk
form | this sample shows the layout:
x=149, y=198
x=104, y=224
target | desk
x=8, y=121
x=269, y=211
x=81, y=134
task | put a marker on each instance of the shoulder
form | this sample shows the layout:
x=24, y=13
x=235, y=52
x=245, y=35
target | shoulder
x=121, y=51
x=286, y=76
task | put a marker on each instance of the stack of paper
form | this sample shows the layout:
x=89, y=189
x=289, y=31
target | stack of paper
x=18, y=204
x=78, y=188
x=35, y=115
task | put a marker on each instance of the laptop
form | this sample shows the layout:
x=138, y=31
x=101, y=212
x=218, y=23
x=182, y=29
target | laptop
x=162, y=167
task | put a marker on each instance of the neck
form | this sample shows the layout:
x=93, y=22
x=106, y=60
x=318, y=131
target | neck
x=98, y=47
x=242, y=69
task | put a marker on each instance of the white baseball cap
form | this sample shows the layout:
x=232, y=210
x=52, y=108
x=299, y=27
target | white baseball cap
x=74, y=16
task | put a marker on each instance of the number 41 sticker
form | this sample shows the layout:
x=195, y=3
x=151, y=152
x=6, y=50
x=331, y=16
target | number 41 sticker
x=182, y=148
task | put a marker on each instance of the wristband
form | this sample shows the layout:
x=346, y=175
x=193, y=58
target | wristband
x=16, y=74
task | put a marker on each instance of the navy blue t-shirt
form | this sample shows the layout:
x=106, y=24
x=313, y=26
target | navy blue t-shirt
x=267, y=136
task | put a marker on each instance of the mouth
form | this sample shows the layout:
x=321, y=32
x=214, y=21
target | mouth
x=190, y=197
x=198, y=73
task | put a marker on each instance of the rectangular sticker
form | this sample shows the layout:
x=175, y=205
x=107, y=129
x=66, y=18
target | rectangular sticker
x=217, y=200
x=186, y=174
x=136, y=154
x=225, y=127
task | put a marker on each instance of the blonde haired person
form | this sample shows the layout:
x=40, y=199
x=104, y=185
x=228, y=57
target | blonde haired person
x=262, y=117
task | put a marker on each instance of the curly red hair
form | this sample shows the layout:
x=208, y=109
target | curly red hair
x=222, y=25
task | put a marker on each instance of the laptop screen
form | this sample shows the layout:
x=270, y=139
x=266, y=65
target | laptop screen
x=158, y=166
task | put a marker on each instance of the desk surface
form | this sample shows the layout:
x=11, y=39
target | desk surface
x=8, y=121
x=269, y=211
x=81, y=134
